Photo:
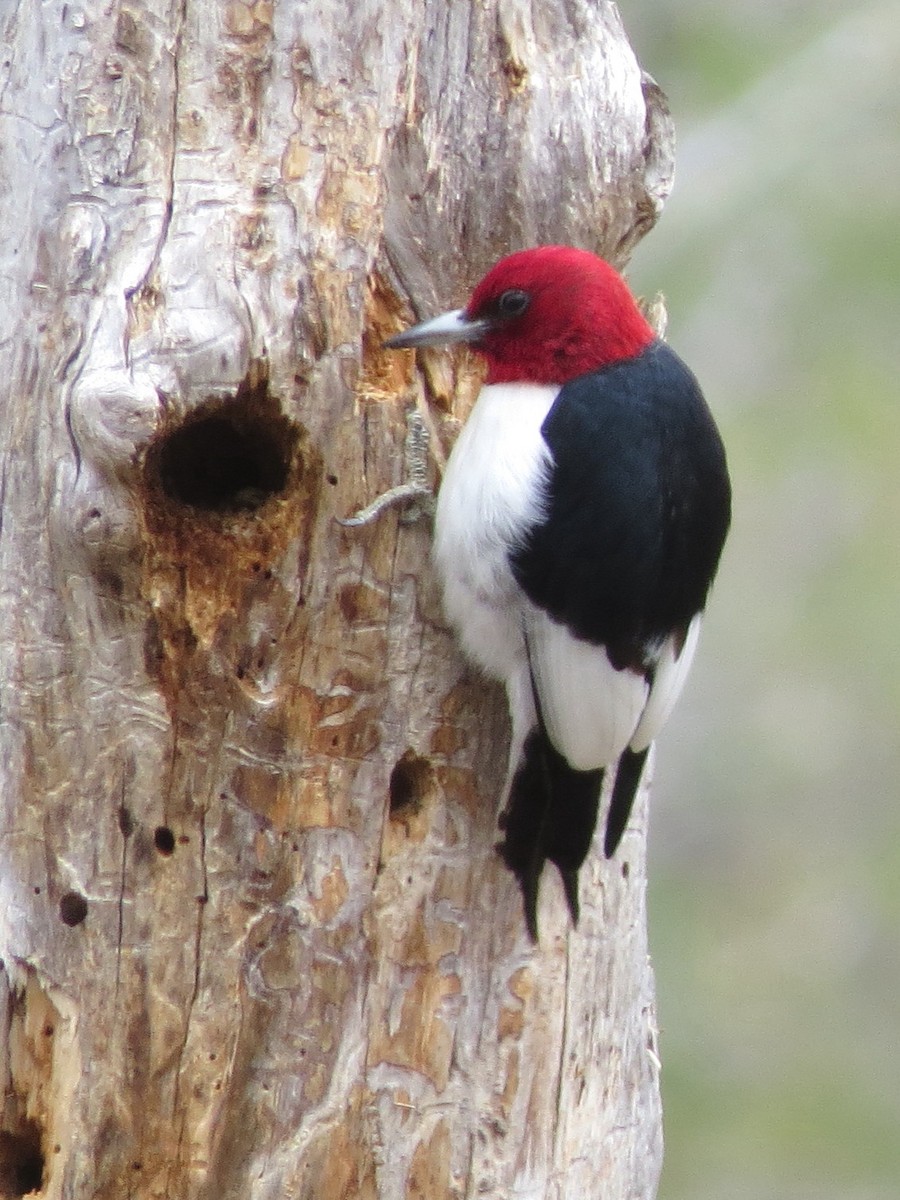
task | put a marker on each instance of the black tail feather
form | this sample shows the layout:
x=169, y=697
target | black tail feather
x=523, y=822
x=628, y=778
x=551, y=814
x=570, y=887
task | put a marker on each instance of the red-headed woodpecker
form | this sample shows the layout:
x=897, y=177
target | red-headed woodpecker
x=578, y=529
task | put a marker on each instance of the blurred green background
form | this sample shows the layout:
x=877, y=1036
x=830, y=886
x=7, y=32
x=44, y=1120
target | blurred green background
x=775, y=833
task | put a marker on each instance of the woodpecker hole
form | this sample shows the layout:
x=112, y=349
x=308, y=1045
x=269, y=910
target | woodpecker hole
x=227, y=491
x=21, y=1161
x=411, y=781
x=228, y=455
x=164, y=840
x=72, y=908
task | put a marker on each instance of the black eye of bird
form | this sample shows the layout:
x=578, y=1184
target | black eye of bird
x=512, y=303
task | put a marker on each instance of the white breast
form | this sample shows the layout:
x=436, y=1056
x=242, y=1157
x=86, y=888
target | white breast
x=491, y=493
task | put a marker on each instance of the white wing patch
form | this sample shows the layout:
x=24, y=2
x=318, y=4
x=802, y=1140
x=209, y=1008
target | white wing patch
x=668, y=680
x=592, y=711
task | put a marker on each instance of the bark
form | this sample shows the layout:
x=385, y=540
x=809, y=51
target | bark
x=255, y=938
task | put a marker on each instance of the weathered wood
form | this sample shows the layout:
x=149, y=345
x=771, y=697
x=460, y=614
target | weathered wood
x=255, y=938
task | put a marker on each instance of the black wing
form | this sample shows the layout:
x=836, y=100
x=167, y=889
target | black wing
x=638, y=506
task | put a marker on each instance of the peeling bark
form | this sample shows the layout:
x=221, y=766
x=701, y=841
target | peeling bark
x=255, y=938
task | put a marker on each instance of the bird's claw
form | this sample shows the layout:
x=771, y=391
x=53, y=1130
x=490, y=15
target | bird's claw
x=415, y=494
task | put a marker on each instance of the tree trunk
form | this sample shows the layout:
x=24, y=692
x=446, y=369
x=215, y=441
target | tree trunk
x=255, y=938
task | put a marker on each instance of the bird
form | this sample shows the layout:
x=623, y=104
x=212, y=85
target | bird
x=577, y=532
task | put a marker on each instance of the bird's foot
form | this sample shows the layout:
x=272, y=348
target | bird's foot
x=415, y=494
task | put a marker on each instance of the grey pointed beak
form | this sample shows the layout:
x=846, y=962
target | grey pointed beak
x=445, y=330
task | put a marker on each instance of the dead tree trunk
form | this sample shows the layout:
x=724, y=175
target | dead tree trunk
x=255, y=939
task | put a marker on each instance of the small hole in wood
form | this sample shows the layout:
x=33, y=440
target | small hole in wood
x=410, y=783
x=21, y=1161
x=72, y=908
x=164, y=840
x=126, y=821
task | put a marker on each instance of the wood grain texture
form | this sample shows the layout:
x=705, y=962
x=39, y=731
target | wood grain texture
x=255, y=938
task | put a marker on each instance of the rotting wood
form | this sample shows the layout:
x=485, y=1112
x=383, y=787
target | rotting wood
x=231, y=968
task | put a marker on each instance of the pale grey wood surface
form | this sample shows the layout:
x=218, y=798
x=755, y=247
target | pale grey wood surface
x=228, y=969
